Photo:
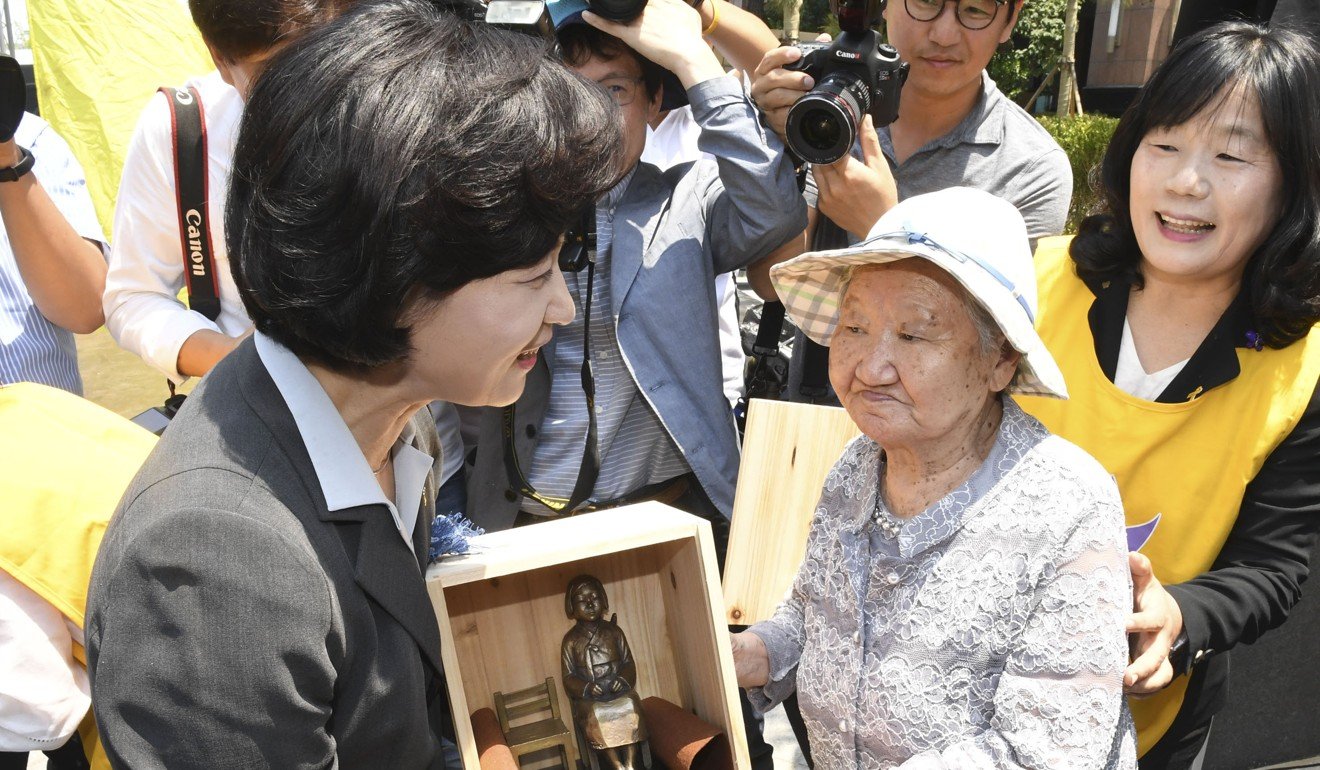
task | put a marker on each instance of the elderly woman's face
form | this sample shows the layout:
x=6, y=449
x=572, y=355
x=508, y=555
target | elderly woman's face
x=476, y=346
x=907, y=360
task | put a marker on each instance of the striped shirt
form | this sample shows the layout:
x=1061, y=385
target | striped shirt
x=635, y=448
x=32, y=349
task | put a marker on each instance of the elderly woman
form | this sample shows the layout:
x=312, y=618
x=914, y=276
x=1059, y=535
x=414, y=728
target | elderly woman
x=401, y=186
x=962, y=598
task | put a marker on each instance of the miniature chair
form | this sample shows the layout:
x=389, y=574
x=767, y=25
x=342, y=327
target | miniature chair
x=538, y=735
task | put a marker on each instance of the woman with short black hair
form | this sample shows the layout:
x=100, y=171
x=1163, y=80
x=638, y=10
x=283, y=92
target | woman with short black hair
x=400, y=190
x=1184, y=318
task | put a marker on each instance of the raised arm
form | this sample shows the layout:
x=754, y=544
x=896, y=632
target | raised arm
x=53, y=234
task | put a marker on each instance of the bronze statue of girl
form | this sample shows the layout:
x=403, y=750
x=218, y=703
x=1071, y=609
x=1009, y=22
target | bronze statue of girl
x=599, y=676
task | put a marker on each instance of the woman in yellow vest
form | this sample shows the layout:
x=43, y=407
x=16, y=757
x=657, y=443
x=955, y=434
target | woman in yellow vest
x=1184, y=320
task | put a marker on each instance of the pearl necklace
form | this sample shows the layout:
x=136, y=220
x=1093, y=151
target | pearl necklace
x=889, y=524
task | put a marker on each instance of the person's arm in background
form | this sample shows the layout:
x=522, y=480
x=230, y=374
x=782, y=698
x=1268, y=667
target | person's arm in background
x=62, y=270
x=758, y=273
x=752, y=204
x=742, y=38
x=142, y=309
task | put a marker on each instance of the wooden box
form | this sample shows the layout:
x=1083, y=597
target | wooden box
x=788, y=450
x=501, y=612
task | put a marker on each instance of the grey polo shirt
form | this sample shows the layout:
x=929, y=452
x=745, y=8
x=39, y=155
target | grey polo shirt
x=998, y=148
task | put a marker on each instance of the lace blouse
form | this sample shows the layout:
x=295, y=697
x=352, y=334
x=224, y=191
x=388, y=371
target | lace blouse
x=988, y=633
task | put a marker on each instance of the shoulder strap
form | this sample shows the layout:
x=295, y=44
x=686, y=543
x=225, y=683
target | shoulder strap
x=188, y=125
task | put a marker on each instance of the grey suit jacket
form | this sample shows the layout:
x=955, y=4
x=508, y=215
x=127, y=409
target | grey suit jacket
x=233, y=621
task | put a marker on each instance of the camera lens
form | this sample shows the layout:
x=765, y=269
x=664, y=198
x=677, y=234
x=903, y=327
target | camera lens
x=821, y=129
x=822, y=125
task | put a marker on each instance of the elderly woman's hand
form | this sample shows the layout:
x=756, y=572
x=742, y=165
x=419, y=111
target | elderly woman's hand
x=751, y=662
x=1156, y=621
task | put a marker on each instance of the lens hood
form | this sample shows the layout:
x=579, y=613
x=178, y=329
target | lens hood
x=822, y=125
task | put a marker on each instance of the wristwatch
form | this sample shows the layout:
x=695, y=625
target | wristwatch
x=25, y=164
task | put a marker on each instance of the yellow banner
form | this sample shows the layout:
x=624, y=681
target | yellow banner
x=97, y=63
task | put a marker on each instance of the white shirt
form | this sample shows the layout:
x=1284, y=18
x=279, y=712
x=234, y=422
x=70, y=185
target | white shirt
x=44, y=693
x=345, y=476
x=1131, y=377
x=142, y=309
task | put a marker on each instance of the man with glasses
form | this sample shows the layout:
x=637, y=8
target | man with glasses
x=655, y=424
x=646, y=312
x=955, y=127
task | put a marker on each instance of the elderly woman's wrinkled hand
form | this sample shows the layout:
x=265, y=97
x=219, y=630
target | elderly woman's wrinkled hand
x=751, y=661
x=1156, y=623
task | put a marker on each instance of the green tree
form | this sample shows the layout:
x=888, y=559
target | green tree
x=1036, y=45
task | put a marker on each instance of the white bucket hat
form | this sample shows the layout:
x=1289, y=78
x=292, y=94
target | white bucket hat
x=975, y=237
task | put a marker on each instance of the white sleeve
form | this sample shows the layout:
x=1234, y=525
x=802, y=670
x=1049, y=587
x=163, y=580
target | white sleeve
x=44, y=693
x=142, y=308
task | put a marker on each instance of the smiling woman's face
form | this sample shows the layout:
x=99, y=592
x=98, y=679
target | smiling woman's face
x=476, y=346
x=1205, y=194
x=906, y=359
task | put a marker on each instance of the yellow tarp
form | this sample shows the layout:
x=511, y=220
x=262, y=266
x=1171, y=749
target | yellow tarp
x=97, y=63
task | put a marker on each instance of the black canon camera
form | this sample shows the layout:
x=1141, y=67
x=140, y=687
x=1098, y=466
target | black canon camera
x=854, y=75
x=13, y=97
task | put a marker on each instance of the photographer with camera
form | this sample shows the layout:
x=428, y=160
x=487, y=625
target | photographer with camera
x=152, y=241
x=954, y=126
x=52, y=263
x=655, y=424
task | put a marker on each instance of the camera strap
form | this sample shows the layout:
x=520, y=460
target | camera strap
x=188, y=129
x=584, y=237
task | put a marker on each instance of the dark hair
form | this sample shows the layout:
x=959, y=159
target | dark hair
x=240, y=28
x=579, y=43
x=577, y=584
x=1282, y=69
x=394, y=155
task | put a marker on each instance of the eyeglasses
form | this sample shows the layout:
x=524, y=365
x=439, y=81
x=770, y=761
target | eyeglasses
x=972, y=14
x=929, y=242
x=622, y=90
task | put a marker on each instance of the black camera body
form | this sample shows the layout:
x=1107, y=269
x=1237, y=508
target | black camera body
x=13, y=97
x=855, y=75
x=622, y=11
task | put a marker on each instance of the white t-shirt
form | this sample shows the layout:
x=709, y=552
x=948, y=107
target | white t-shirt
x=1131, y=377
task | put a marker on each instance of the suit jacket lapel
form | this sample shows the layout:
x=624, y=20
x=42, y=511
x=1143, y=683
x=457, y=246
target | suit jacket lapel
x=390, y=575
x=634, y=226
x=382, y=564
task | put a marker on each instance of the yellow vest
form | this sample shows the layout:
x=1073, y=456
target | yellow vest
x=1182, y=468
x=64, y=463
